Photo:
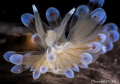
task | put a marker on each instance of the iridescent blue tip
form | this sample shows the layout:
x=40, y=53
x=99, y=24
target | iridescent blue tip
x=99, y=15
x=16, y=59
x=69, y=72
x=112, y=36
x=99, y=3
x=27, y=19
x=82, y=9
x=52, y=14
x=36, y=74
x=16, y=69
x=8, y=54
x=110, y=26
x=109, y=46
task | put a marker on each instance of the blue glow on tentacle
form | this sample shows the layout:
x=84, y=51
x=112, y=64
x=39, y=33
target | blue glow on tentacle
x=87, y=26
x=52, y=13
x=53, y=18
x=16, y=69
x=20, y=68
x=27, y=19
x=98, y=14
x=16, y=59
x=103, y=19
x=109, y=26
x=69, y=73
x=8, y=54
x=38, y=42
x=109, y=46
x=80, y=13
x=75, y=68
x=112, y=36
x=83, y=66
x=101, y=37
x=36, y=74
x=103, y=50
x=99, y=3
x=51, y=57
x=81, y=10
x=43, y=69
x=86, y=58
x=32, y=68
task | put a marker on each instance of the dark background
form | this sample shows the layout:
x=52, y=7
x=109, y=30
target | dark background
x=11, y=11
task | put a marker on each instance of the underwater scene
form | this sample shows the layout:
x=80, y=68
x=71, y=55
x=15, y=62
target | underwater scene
x=60, y=42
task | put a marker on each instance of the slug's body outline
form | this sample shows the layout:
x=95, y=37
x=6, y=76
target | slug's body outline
x=86, y=40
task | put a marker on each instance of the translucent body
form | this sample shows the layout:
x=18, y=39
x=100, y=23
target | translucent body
x=61, y=54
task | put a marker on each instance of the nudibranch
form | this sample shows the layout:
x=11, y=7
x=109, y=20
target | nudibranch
x=61, y=53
